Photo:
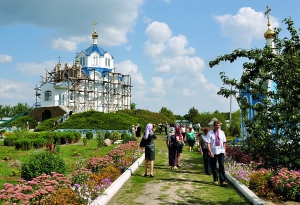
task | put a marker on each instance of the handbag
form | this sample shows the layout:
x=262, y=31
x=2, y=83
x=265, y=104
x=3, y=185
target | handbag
x=143, y=142
x=180, y=145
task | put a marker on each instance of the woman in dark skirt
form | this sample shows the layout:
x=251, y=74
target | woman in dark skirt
x=150, y=148
x=172, y=148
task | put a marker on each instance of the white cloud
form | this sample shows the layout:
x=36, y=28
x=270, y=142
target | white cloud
x=129, y=68
x=159, y=87
x=158, y=32
x=12, y=92
x=244, y=27
x=115, y=21
x=161, y=43
x=35, y=68
x=5, y=59
x=60, y=44
x=179, y=65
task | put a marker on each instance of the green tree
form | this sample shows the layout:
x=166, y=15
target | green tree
x=193, y=115
x=235, y=124
x=168, y=113
x=132, y=106
x=274, y=132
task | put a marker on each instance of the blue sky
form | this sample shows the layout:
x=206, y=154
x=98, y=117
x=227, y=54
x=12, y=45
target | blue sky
x=165, y=45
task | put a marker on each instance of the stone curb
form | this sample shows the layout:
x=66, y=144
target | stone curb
x=116, y=185
x=244, y=190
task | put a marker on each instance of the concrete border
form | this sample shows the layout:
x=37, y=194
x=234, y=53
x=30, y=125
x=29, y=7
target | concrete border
x=244, y=190
x=116, y=185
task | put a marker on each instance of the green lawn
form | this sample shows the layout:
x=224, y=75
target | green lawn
x=75, y=155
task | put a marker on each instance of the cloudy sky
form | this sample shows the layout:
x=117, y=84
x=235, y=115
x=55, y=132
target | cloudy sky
x=165, y=45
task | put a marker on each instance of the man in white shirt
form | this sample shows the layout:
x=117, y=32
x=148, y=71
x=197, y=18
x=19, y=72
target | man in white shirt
x=216, y=146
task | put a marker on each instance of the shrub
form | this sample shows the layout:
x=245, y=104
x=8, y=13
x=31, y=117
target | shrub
x=259, y=182
x=10, y=140
x=65, y=196
x=23, y=144
x=107, y=135
x=126, y=137
x=115, y=136
x=96, y=164
x=80, y=176
x=84, y=140
x=286, y=184
x=100, y=140
x=77, y=136
x=43, y=162
x=89, y=135
x=111, y=172
x=38, y=143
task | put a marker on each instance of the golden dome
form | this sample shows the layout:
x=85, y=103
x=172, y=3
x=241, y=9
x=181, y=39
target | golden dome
x=269, y=33
x=95, y=34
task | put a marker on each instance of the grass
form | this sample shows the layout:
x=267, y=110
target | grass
x=187, y=185
x=74, y=155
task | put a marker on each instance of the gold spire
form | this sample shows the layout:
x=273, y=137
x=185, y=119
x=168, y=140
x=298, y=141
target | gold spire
x=269, y=33
x=95, y=35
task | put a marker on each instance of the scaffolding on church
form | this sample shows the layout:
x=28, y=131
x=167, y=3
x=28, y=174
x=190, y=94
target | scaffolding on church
x=106, y=91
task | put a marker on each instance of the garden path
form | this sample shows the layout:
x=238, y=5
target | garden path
x=187, y=185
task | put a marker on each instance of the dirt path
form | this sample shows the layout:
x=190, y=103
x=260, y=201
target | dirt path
x=187, y=185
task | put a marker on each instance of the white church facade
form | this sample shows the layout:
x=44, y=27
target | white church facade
x=90, y=84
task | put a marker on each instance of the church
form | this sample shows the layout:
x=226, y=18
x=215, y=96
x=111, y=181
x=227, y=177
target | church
x=91, y=83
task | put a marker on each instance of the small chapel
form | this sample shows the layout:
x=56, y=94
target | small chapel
x=91, y=83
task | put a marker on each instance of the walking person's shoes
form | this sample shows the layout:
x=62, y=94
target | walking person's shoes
x=151, y=176
x=224, y=184
x=216, y=183
x=145, y=175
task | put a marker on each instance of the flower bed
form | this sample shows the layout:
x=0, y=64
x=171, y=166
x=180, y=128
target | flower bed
x=84, y=185
x=278, y=185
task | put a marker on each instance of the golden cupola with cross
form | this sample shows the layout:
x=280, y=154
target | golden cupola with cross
x=270, y=33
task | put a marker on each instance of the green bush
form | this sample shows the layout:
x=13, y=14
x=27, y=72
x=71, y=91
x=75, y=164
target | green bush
x=126, y=138
x=23, y=144
x=77, y=136
x=108, y=135
x=43, y=162
x=115, y=136
x=84, y=141
x=100, y=140
x=10, y=140
x=38, y=143
x=89, y=135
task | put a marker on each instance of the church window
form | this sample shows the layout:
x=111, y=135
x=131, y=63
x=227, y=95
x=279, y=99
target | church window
x=72, y=95
x=108, y=62
x=105, y=61
x=48, y=95
x=95, y=60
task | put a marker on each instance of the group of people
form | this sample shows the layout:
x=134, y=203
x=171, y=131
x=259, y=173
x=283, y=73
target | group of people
x=136, y=130
x=212, y=145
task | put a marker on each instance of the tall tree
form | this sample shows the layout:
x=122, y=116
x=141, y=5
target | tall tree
x=168, y=113
x=274, y=133
x=193, y=115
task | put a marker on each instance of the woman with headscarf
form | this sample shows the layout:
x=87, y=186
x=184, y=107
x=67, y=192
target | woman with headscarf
x=172, y=148
x=150, y=136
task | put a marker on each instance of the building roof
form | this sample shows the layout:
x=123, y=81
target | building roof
x=94, y=48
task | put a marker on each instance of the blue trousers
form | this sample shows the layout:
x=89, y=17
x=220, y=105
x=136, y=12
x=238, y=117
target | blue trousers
x=213, y=163
x=206, y=161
